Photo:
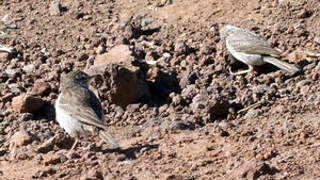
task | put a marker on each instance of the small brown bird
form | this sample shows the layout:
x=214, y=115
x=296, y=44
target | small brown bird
x=78, y=110
x=252, y=50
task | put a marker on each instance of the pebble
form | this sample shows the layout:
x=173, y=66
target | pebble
x=29, y=68
x=55, y=8
x=20, y=138
x=304, y=82
x=41, y=88
x=51, y=158
x=181, y=47
x=317, y=39
x=251, y=114
x=146, y=21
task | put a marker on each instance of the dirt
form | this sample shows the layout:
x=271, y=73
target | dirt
x=199, y=121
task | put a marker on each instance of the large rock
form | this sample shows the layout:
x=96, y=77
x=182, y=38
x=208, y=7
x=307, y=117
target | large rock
x=27, y=104
x=122, y=84
x=120, y=54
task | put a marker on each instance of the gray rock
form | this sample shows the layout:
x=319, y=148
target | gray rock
x=29, y=68
x=55, y=8
x=146, y=21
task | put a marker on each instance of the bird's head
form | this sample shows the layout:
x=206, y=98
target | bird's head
x=76, y=78
x=228, y=29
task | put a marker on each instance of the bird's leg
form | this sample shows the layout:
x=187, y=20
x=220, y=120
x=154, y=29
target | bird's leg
x=68, y=155
x=74, y=144
x=249, y=70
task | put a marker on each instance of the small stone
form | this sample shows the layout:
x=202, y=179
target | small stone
x=296, y=56
x=189, y=91
x=305, y=13
x=41, y=88
x=146, y=21
x=4, y=56
x=121, y=157
x=304, y=82
x=163, y=108
x=188, y=78
x=181, y=47
x=199, y=102
x=92, y=174
x=83, y=57
x=166, y=55
x=317, y=39
x=62, y=141
x=178, y=177
x=22, y=156
x=26, y=104
x=29, y=68
x=26, y=117
x=46, y=146
x=11, y=26
x=218, y=108
x=55, y=8
x=251, y=114
x=12, y=73
x=44, y=173
x=100, y=49
x=51, y=159
x=251, y=169
x=20, y=138
x=304, y=90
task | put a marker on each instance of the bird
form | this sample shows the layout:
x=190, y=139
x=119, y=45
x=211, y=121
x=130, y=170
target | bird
x=252, y=50
x=78, y=110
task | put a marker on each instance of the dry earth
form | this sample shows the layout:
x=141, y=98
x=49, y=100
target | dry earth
x=184, y=117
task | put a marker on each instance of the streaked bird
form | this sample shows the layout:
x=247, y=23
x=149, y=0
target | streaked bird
x=78, y=110
x=252, y=50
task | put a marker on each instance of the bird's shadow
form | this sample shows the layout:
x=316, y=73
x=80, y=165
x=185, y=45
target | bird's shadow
x=130, y=152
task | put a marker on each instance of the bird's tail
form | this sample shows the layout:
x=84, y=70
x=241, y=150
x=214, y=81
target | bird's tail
x=108, y=139
x=290, y=68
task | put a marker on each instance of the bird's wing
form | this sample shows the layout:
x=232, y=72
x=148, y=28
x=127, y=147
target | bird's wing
x=83, y=105
x=250, y=43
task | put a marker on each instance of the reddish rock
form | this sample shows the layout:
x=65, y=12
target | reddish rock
x=20, y=138
x=51, y=158
x=123, y=84
x=296, y=56
x=27, y=104
x=120, y=54
x=41, y=88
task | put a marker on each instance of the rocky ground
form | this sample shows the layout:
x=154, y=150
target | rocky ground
x=165, y=87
